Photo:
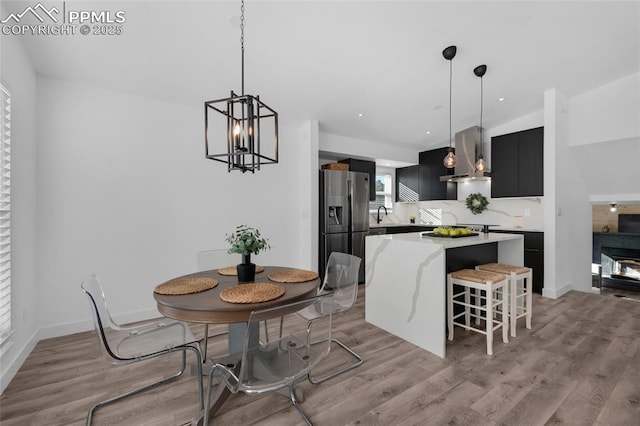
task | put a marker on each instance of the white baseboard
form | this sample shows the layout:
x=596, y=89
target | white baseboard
x=63, y=330
x=14, y=365
x=86, y=325
x=556, y=293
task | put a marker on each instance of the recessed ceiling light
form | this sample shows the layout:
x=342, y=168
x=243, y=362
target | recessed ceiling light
x=360, y=114
x=387, y=164
x=428, y=132
x=500, y=99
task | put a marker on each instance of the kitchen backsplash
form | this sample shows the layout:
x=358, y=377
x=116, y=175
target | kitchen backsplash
x=512, y=213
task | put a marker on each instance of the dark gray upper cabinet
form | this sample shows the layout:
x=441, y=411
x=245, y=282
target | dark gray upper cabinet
x=431, y=168
x=517, y=164
x=408, y=184
x=364, y=166
x=422, y=182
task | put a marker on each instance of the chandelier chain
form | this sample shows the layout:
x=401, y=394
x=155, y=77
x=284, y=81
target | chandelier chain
x=242, y=40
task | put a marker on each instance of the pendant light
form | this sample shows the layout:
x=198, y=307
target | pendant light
x=450, y=160
x=481, y=166
x=248, y=122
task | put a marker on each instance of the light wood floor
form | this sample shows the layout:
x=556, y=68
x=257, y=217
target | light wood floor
x=579, y=365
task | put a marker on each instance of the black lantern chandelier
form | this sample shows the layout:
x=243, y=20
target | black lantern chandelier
x=450, y=160
x=250, y=124
x=481, y=165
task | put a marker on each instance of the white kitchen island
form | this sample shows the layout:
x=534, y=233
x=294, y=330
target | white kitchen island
x=405, y=279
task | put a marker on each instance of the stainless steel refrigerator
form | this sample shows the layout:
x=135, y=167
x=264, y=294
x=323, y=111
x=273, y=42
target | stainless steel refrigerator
x=344, y=215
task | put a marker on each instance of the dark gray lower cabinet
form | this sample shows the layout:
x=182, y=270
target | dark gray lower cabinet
x=399, y=229
x=533, y=256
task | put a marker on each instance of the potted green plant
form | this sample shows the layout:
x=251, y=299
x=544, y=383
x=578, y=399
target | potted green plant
x=246, y=241
x=412, y=219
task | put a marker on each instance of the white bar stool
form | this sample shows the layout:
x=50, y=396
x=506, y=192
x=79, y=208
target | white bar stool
x=490, y=282
x=518, y=308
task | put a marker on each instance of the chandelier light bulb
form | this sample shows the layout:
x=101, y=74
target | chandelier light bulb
x=481, y=165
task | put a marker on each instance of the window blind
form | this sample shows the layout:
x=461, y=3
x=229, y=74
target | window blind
x=5, y=216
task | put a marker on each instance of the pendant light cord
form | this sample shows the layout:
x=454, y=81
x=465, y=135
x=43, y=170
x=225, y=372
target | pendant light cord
x=450, y=82
x=242, y=41
x=481, y=129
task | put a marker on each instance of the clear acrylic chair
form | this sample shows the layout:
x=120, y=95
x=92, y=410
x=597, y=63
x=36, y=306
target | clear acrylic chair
x=214, y=259
x=276, y=365
x=341, y=279
x=140, y=342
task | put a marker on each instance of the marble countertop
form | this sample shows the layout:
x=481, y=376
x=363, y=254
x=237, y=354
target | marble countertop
x=492, y=227
x=512, y=228
x=447, y=243
x=392, y=224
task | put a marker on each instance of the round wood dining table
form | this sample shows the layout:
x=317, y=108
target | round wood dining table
x=206, y=307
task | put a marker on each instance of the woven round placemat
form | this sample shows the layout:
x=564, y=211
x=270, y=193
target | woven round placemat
x=251, y=293
x=185, y=286
x=232, y=270
x=293, y=276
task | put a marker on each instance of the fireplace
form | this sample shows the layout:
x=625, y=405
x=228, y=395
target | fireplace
x=620, y=268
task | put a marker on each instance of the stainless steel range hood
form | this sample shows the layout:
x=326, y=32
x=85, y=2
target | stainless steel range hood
x=468, y=146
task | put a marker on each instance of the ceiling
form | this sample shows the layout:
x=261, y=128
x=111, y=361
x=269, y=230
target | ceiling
x=331, y=60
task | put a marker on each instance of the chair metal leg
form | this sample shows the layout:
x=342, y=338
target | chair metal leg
x=158, y=383
x=359, y=361
x=205, y=341
x=294, y=401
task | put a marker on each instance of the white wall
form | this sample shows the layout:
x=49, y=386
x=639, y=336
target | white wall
x=607, y=113
x=604, y=139
x=19, y=77
x=529, y=121
x=125, y=192
x=363, y=148
x=567, y=208
x=308, y=201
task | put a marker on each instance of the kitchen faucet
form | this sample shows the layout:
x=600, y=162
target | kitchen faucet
x=378, y=220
